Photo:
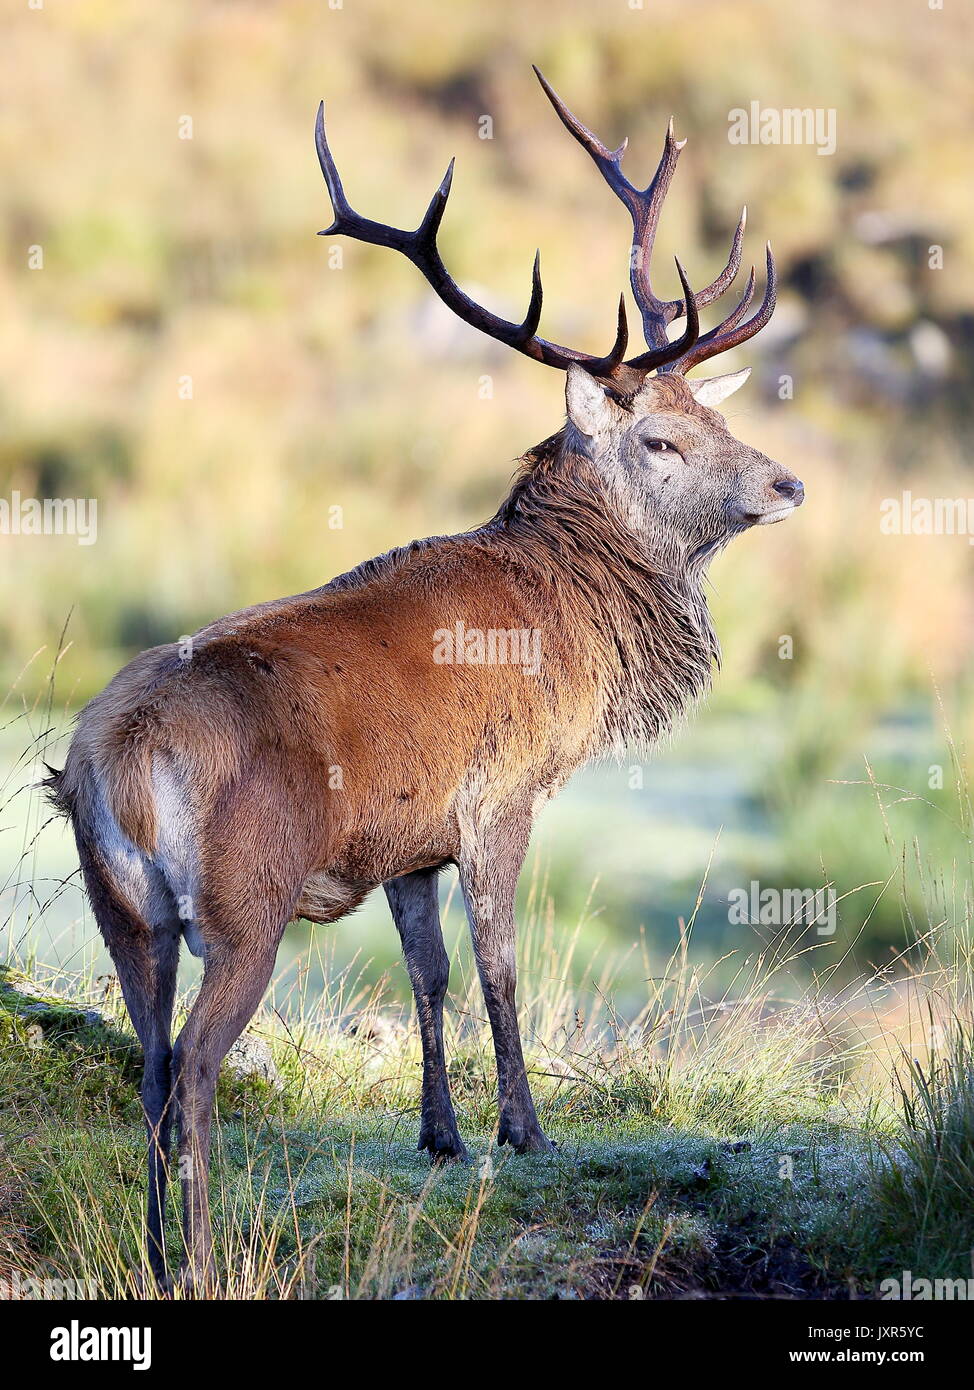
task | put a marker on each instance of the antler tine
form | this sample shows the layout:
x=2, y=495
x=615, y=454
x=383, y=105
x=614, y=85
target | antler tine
x=607, y=160
x=729, y=273
x=420, y=248
x=533, y=317
x=605, y=366
x=731, y=321
x=648, y=204
x=731, y=333
x=645, y=206
x=349, y=223
x=673, y=352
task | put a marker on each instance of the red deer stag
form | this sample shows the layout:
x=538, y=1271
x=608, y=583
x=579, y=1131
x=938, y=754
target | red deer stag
x=201, y=785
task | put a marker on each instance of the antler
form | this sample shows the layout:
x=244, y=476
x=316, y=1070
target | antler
x=644, y=207
x=420, y=247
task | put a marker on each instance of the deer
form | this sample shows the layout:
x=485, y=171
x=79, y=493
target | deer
x=201, y=784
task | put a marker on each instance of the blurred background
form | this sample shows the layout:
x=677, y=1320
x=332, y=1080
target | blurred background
x=176, y=343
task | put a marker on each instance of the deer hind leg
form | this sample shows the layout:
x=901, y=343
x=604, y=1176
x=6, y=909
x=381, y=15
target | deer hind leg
x=490, y=862
x=236, y=973
x=137, y=918
x=415, y=908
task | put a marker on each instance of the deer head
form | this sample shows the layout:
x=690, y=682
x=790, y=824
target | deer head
x=665, y=456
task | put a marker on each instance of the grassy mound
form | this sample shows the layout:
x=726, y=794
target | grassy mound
x=706, y=1150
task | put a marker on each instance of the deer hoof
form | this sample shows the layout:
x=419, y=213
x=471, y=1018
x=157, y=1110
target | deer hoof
x=444, y=1146
x=525, y=1138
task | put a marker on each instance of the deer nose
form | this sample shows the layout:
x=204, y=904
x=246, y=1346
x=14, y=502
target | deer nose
x=792, y=488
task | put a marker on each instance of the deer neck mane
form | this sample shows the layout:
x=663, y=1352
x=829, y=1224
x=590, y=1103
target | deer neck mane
x=641, y=615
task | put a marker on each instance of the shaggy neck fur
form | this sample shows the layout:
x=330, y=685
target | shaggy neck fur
x=640, y=604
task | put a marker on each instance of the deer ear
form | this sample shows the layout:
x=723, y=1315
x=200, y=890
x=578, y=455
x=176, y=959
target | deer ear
x=585, y=400
x=711, y=390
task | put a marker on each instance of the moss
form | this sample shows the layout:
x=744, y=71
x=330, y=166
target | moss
x=36, y=1020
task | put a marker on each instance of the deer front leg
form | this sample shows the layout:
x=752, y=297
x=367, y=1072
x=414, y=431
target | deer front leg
x=488, y=876
x=416, y=911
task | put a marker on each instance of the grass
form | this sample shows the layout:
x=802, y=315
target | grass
x=928, y=1187
x=739, y=1145
x=294, y=458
